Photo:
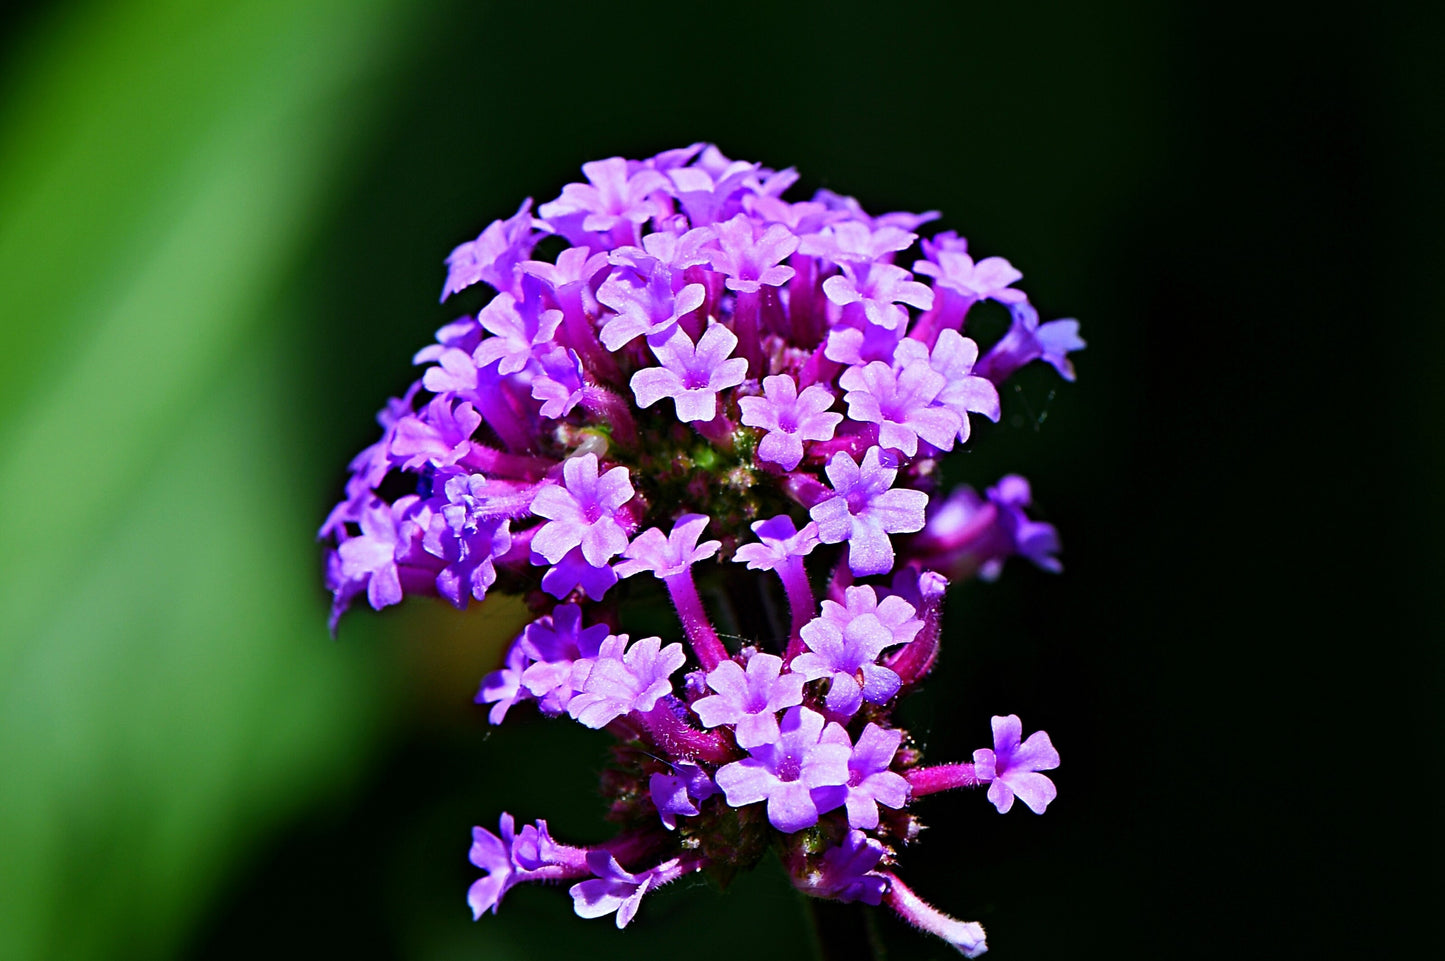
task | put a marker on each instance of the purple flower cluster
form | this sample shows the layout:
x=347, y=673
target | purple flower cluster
x=717, y=387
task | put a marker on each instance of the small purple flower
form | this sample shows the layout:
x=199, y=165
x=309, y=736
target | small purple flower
x=554, y=643
x=864, y=510
x=1013, y=767
x=575, y=267
x=800, y=775
x=371, y=557
x=672, y=252
x=440, y=434
x=707, y=191
x=677, y=794
x=1026, y=341
x=1035, y=540
x=667, y=555
x=503, y=688
x=613, y=200
x=645, y=304
x=692, y=375
x=454, y=372
x=493, y=256
x=614, y=889
x=967, y=533
x=583, y=512
x=901, y=404
x=492, y=854
x=518, y=329
x=750, y=261
x=789, y=418
x=535, y=852
x=619, y=683
x=778, y=541
x=870, y=782
x=750, y=700
x=466, y=533
x=844, y=644
x=856, y=240
x=951, y=267
x=386, y=560
x=849, y=345
x=572, y=572
x=880, y=289
x=862, y=610
x=953, y=357
x=845, y=873
x=559, y=382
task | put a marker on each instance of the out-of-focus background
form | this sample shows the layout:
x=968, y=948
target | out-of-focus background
x=221, y=236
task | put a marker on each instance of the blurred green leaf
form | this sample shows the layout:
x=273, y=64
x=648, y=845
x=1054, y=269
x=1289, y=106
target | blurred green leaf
x=167, y=687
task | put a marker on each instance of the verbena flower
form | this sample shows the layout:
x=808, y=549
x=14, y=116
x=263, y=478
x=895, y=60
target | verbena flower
x=799, y=773
x=864, y=509
x=814, y=383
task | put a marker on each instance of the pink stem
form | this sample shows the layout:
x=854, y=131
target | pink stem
x=771, y=316
x=801, y=604
x=496, y=409
x=818, y=369
x=948, y=312
x=514, y=502
x=842, y=578
x=631, y=848
x=916, y=658
x=680, y=741
x=745, y=326
x=700, y=633
x=582, y=336
x=807, y=326
x=855, y=444
x=521, y=550
x=605, y=404
x=942, y=777
x=493, y=462
x=694, y=322
x=718, y=431
x=806, y=489
x=966, y=936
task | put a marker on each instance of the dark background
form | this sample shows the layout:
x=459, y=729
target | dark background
x=1240, y=663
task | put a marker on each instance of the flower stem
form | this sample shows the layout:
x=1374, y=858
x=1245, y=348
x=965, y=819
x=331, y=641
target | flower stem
x=801, y=603
x=966, y=936
x=609, y=406
x=915, y=659
x=745, y=326
x=500, y=464
x=700, y=633
x=582, y=336
x=681, y=741
x=718, y=431
x=942, y=777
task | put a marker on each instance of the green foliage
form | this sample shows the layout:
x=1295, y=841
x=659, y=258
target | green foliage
x=166, y=688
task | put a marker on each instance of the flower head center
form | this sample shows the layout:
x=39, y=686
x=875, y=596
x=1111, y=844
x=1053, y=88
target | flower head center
x=789, y=768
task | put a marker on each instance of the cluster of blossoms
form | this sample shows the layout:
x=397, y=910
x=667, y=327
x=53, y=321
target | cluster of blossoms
x=746, y=398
